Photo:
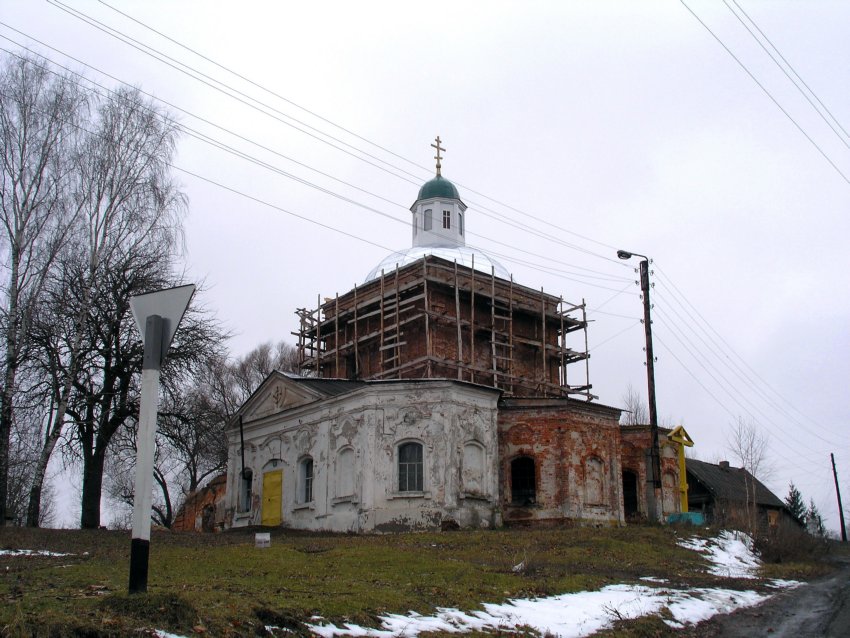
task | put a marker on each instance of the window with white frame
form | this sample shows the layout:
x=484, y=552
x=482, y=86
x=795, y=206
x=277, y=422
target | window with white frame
x=447, y=219
x=245, y=481
x=410, y=467
x=427, y=223
x=345, y=472
x=305, y=480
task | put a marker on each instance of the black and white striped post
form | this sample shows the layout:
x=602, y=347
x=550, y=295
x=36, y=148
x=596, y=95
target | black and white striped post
x=157, y=316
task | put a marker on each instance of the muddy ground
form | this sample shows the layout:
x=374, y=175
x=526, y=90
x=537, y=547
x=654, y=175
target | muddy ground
x=819, y=609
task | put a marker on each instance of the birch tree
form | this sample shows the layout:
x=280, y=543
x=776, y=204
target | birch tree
x=128, y=221
x=38, y=114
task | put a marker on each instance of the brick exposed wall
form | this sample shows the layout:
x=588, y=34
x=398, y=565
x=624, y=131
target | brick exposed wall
x=570, y=442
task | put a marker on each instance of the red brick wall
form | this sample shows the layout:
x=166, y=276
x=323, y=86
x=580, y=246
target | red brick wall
x=565, y=438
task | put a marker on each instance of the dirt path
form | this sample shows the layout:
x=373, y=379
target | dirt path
x=820, y=609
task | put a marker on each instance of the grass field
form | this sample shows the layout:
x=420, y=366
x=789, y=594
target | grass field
x=221, y=585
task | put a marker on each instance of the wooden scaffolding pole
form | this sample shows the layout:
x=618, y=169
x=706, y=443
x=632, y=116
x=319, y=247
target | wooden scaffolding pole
x=562, y=373
x=356, y=340
x=427, y=306
x=397, y=349
x=459, y=334
x=472, y=321
x=336, y=336
x=493, y=325
x=319, y=335
x=543, y=333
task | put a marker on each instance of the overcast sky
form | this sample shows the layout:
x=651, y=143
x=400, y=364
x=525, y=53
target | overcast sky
x=587, y=126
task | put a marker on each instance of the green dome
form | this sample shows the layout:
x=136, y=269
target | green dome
x=438, y=187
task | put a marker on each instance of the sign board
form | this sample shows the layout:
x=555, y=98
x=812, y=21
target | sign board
x=170, y=304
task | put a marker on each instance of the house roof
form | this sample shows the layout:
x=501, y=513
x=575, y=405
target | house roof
x=730, y=483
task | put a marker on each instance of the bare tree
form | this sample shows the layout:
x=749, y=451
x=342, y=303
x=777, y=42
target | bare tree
x=38, y=113
x=748, y=444
x=634, y=409
x=129, y=211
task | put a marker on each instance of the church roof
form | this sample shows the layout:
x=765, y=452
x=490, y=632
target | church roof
x=328, y=387
x=462, y=254
x=438, y=187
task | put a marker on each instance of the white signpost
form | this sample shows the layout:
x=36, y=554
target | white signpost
x=157, y=316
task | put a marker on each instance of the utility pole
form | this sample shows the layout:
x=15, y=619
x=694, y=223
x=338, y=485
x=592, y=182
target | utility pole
x=838, y=494
x=653, y=479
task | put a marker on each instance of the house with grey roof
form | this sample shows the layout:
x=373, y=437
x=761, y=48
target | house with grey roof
x=725, y=495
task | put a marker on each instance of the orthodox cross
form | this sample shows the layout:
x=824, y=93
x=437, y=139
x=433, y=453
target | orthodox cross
x=437, y=156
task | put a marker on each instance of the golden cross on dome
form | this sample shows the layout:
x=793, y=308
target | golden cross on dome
x=437, y=156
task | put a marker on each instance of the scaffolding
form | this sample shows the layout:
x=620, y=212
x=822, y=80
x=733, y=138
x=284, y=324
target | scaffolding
x=439, y=319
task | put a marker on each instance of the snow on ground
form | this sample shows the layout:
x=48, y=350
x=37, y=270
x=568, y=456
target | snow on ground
x=584, y=613
x=29, y=552
x=731, y=554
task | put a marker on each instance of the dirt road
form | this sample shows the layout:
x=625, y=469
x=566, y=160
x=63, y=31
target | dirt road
x=820, y=609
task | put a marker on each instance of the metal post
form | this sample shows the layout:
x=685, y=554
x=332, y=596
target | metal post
x=146, y=446
x=838, y=494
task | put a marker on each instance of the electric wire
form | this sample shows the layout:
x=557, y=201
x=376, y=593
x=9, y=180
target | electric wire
x=485, y=196
x=768, y=93
x=539, y=234
x=708, y=328
x=788, y=64
x=570, y=275
x=336, y=125
x=785, y=72
x=148, y=50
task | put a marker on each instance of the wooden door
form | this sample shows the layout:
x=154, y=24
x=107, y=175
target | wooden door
x=272, y=497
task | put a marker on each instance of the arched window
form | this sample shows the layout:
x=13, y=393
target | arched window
x=523, y=481
x=594, y=479
x=428, y=222
x=460, y=224
x=473, y=467
x=305, y=480
x=410, y=470
x=447, y=219
x=345, y=472
x=245, y=481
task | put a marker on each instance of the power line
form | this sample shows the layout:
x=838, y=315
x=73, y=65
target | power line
x=340, y=127
x=781, y=68
x=766, y=92
x=148, y=50
x=788, y=64
x=227, y=148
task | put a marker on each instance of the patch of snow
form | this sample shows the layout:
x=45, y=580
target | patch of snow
x=585, y=613
x=568, y=615
x=30, y=552
x=731, y=554
x=159, y=633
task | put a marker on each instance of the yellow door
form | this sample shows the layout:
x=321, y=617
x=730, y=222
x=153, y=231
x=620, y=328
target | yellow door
x=272, y=492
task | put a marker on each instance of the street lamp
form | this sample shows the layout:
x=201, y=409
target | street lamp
x=653, y=479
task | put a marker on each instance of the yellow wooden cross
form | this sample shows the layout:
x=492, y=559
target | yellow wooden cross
x=437, y=156
x=680, y=436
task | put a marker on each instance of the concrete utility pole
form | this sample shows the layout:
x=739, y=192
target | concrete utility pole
x=653, y=475
x=838, y=494
x=157, y=316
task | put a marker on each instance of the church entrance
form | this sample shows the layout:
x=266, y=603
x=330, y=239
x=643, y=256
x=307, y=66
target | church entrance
x=630, y=495
x=272, y=498
x=523, y=482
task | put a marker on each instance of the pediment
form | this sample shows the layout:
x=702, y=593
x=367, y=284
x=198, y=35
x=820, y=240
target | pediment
x=277, y=393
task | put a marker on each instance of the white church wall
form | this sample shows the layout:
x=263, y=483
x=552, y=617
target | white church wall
x=354, y=441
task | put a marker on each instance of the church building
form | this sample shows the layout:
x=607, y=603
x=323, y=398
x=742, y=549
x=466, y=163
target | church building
x=440, y=393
